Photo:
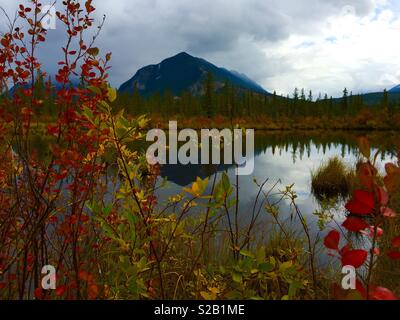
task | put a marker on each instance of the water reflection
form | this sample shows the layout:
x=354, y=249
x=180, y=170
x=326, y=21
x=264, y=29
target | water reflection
x=288, y=157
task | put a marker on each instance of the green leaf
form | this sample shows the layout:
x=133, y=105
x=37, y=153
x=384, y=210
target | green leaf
x=294, y=286
x=109, y=232
x=107, y=210
x=246, y=253
x=104, y=106
x=260, y=255
x=95, y=90
x=237, y=277
x=88, y=113
x=131, y=218
x=266, y=267
x=226, y=184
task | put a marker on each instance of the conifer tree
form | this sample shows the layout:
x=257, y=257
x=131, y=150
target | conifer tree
x=345, y=102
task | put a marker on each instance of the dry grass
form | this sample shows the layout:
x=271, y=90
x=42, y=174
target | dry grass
x=332, y=180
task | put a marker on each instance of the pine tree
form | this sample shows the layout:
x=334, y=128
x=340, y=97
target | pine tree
x=303, y=95
x=295, y=101
x=345, y=102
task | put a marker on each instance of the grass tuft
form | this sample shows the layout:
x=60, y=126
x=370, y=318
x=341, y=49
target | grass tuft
x=332, y=180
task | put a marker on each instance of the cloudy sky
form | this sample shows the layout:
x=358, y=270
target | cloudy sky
x=323, y=45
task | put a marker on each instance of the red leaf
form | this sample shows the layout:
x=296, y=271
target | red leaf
x=344, y=250
x=60, y=290
x=396, y=242
x=362, y=203
x=53, y=130
x=38, y=293
x=332, y=240
x=62, y=175
x=394, y=255
x=355, y=258
x=381, y=293
x=355, y=224
x=83, y=275
x=93, y=291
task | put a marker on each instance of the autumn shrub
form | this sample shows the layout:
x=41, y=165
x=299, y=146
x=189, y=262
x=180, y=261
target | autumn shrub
x=43, y=220
x=370, y=215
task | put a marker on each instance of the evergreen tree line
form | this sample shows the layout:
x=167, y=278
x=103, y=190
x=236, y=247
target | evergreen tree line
x=231, y=102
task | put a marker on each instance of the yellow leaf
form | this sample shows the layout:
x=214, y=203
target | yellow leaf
x=214, y=290
x=206, y=295
x=198, y=187
x=112, y=94
x=93, y=51
x=286, y=265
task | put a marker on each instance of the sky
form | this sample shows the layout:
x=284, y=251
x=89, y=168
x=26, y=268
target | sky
x=319, y=45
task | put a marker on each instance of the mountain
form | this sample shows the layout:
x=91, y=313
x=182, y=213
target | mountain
x=184, y=72
x=395, y=89
x=375, y=98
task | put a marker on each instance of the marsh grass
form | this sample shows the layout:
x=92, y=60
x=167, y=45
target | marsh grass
x=332, y=180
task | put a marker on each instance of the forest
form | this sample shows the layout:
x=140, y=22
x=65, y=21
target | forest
x=232, y=106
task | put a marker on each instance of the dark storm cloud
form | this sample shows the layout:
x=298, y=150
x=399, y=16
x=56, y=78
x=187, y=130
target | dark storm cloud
x=231, y=33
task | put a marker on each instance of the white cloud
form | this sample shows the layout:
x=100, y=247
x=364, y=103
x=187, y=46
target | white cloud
x=357, y=52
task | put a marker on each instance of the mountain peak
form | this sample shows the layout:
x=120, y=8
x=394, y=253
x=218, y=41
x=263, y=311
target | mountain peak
x=182, y=54
x=183, y=72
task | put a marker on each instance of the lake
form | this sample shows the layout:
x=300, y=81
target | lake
x=286, y=158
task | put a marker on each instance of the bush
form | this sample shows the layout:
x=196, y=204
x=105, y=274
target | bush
x=332, y=180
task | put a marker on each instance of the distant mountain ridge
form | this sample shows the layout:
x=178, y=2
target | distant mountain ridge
x=184, y=72
x=373, y=98
x=396, y=89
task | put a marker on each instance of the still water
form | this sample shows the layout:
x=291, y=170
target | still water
x=286, y=158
